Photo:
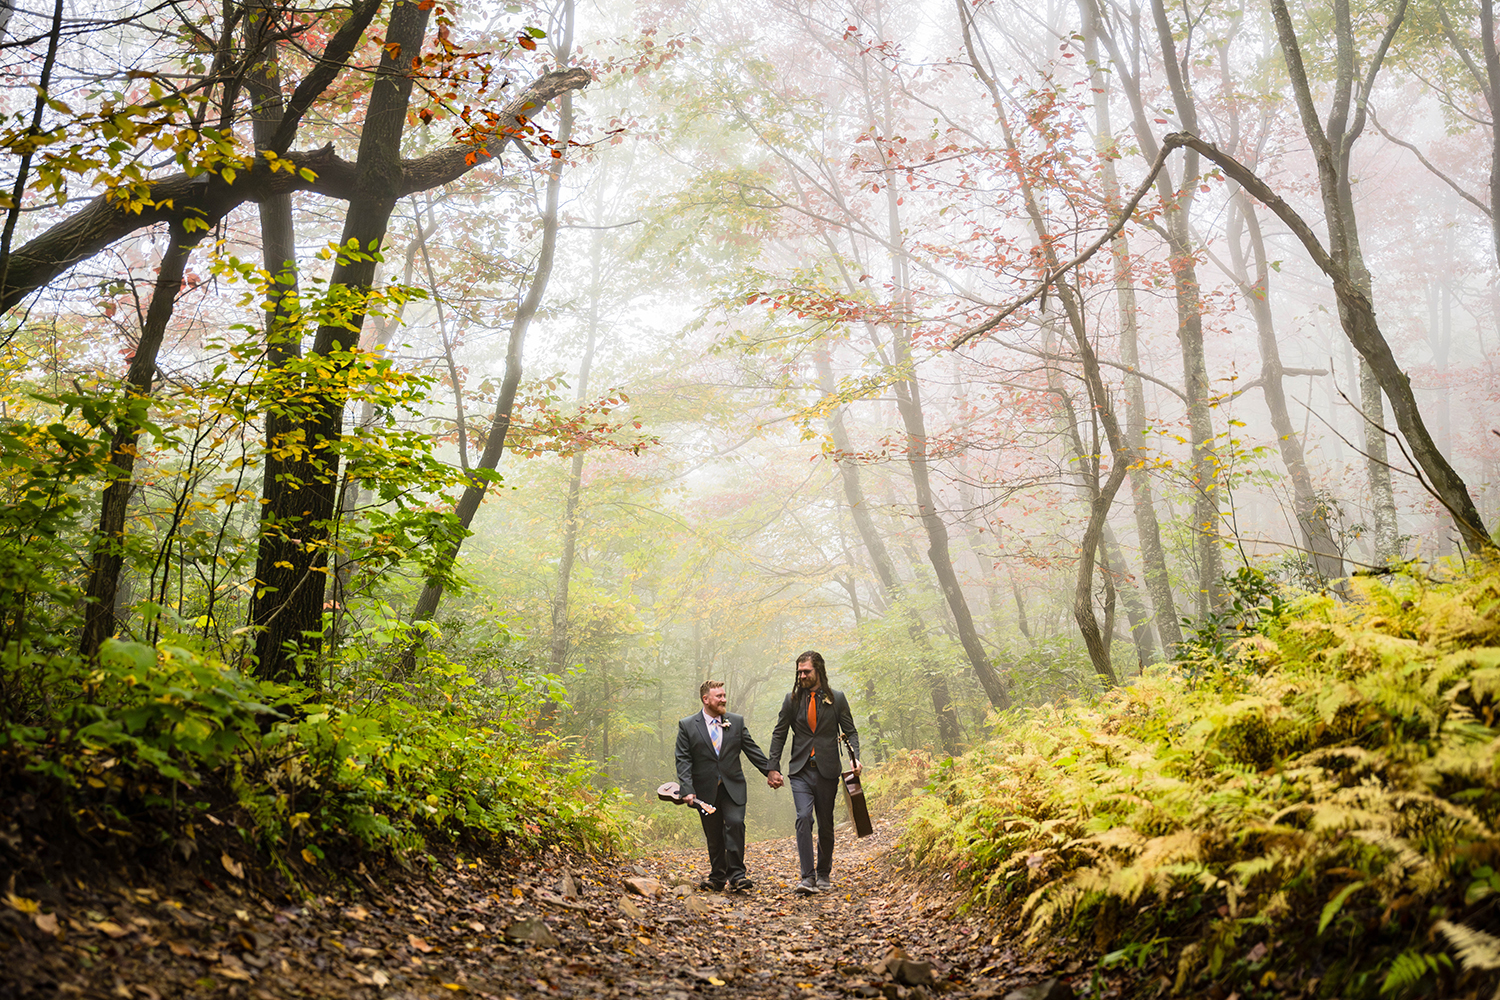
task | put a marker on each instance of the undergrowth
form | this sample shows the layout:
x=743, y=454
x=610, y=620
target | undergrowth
x=1305, y=807
x=155, y=747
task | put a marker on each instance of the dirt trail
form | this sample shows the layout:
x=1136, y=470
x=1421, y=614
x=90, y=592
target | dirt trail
x=455, y=933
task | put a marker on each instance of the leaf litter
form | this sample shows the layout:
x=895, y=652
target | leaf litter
x=554, y=926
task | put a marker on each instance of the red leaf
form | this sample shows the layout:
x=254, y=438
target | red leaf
x=525, y=42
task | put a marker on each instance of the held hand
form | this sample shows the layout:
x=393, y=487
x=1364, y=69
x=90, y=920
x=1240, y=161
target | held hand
x=690, y=799
x=774, y=779
x=858, y=767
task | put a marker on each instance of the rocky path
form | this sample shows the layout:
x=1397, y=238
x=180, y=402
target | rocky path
x=557, y=927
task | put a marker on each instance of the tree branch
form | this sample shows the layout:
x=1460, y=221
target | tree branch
x=176, y=198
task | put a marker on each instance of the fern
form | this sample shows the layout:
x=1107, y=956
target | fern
x=1411, y=967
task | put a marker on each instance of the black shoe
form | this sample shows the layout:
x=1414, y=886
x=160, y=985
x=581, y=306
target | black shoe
x=806, y=887
x=741, y=885
x=709, y=885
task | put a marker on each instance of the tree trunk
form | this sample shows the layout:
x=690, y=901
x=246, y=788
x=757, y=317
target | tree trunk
x=943, y=708
x=109, y=544
x=293, y=559
x=1178, y=207
x=909, y=405
x=1343, y=261
x=1153, y=554
x=1312, y=516
x=575, y=481
x=1100, y=495
x=1116, y=565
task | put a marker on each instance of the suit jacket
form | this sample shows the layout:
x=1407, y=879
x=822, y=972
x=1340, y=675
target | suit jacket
x=834, y=717
x=700, y=770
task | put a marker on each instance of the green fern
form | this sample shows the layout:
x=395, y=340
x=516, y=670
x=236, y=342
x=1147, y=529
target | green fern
x=1411, y=967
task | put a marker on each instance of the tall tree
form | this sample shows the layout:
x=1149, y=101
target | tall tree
x=1332, y=148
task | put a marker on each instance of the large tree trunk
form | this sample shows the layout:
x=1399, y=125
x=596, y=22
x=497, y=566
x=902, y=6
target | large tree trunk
x=1177, y=203
x=293, y=560
x=1343, y=260
x=1178, y=207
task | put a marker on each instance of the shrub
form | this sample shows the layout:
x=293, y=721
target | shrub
x=1315, y=798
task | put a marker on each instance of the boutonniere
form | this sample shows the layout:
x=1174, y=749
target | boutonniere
x=723, y=723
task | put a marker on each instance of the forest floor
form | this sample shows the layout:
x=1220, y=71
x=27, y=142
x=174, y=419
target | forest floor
x=550, y=927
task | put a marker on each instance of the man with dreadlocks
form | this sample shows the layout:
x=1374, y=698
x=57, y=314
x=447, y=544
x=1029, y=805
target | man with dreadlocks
x=815, y=715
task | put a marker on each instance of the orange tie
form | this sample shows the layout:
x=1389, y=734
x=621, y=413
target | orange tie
x=812, y=717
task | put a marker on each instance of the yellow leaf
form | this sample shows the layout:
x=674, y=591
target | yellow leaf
x=232, y=866
x=309, y=856
x=715, y=982
x=22, y=903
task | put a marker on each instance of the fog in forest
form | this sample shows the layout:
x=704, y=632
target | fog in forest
x=991, y=349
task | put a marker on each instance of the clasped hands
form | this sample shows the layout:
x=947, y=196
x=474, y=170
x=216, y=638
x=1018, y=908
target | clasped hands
x=775, y=780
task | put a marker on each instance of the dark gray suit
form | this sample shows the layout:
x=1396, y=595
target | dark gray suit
x=814, y=769
x=719, y=780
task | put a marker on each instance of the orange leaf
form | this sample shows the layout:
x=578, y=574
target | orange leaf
x=525, y=42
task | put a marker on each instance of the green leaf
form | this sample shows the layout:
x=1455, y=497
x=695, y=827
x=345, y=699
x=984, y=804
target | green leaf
x=1332, y=907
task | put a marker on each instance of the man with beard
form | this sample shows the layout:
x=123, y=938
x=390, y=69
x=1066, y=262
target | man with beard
x=709, y=744
x=815, y=715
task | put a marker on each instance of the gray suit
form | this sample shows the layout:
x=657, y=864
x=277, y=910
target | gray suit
x=719, y=780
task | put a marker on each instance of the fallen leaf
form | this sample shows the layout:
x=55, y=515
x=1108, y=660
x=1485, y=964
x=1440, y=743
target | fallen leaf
x=111, y=928
x=418, y=943
x=22, y=904
x=232, y=866
x=238, y=974
x=532, y=930
x=46, y=923
x=181, y=949
x=380, y=978
x=357, y=913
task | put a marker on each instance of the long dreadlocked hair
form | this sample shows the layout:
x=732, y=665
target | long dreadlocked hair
x=816, y=658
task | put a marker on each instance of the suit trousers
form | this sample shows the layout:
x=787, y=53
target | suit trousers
x=725, y=833
x=814, y=795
